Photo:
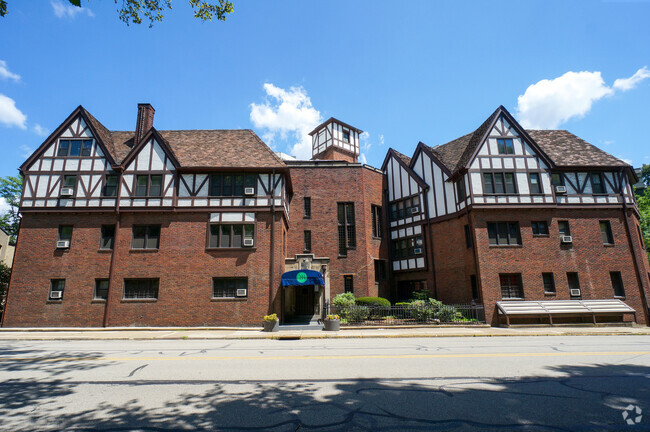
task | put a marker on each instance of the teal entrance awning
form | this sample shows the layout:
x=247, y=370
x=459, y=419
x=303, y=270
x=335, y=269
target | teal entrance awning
x=302, y=277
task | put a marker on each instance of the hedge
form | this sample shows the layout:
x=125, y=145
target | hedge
x=372, y=301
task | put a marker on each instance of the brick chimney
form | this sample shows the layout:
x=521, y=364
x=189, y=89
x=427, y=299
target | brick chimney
x=145, y=121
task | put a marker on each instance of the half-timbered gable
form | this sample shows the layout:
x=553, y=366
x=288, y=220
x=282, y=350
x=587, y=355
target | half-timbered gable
x=149, y=174
x=440, y=197
x=70, y=169
x=335, y=136
x=406, y=212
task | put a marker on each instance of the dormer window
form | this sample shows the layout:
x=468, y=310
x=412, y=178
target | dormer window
x=74, y=148
x=346, y=136
x=506, y=146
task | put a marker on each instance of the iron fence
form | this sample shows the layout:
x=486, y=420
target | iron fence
x=413, y=313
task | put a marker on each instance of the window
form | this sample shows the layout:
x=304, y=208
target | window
x=74, y=148
x=557, y=179
x=606, y=233
x=101, y=289
x=574, y=282
x=307, y=208
x=563, y=227
x=145, y=237
x=468, y=237
x=307, y=235
x=380, y=271
x=110, y=187
x=348, y=283
x=346, y=135
x=140, y=289
x=229, y=235
x=407, y=247
x=70, y=181
x=229, y=287
x=504, y=233
x=460, y=189
x=549, y=283
x=511, y=286
x=474, y=286
x=347, y=233
x=535, y=184
x=56, y=289
x=232, y=184
x=376, y=221
x=108, y=237
x=499, y=183
x=540, y=228
x=65, y=232
x=505, y=146
x=148, y=185
x=617, y=284
x=597, y=185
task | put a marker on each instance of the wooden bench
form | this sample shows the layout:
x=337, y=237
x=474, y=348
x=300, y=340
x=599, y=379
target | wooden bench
x=550, y=308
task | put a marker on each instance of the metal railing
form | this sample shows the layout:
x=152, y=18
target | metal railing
x=413, y=313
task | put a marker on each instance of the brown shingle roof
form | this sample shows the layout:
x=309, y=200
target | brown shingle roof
x=566, y=149
x=403, y=157
x=238, y=148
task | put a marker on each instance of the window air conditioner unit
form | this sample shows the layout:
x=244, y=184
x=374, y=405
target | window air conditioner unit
x=415, y=210
x=248, y=242
x=249, y=191
x=560, y=189
x=63, y=244
x=67, y=191
x=575, y=292
x=241, y=292
x=417, y=251
x=566, y=239
x=56, y=294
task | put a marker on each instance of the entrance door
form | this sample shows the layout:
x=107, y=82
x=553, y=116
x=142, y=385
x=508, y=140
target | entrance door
x=305, y=300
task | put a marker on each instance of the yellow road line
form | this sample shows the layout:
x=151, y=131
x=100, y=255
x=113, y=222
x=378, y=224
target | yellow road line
x=324, y=357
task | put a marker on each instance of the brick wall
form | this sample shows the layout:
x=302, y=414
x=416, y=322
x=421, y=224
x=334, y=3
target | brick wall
x=182, y=263
x=592, y=260
x=327, y=186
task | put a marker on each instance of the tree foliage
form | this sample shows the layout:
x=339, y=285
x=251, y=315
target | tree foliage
x=135, y=11
x=10, y=190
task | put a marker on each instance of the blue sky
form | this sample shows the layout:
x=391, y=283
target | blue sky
x=402, y=71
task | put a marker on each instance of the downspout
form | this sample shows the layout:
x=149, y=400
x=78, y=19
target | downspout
x=272, y=248
x=107, y=306
x=633, y=250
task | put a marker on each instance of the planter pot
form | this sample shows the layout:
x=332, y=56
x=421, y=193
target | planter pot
x=271, y=326
x=332, y=325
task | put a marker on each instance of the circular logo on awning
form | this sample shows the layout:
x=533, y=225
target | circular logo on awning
x=301, y=277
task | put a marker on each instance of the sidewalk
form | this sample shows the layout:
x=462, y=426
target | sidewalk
x=130, y=333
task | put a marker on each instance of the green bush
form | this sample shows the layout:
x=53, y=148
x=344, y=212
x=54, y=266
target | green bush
x=448, y=314
x=402, y=303
x=420, y=295
x=421, y=310
x=343, y=300
x=356, y=314
x=372, y=301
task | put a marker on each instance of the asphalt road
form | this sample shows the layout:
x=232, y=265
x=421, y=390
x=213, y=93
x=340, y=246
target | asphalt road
x=501, y=383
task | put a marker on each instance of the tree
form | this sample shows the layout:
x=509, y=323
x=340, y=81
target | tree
x=11, y=189
x=645, y=175
x=643, y=203
x=133, y=11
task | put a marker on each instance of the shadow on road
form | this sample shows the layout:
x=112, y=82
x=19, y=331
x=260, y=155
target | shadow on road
x=573, y=398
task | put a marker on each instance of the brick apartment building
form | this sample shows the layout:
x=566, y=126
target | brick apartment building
x=504, y=213
x=203, y=227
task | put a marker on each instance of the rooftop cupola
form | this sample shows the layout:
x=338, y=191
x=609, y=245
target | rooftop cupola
x=335, y=140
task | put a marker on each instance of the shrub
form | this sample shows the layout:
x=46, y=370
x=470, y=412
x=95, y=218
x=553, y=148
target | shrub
x=421, y=310
x=447, y=313
x=402, y=303
x=420, y=295
x=372, y=301
x=356, y=314
x=343, y=300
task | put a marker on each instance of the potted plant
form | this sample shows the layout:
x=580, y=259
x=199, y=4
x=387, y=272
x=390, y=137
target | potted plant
x=271, y=323
x=332, y=323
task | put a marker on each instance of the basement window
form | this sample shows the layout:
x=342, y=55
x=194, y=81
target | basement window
x=141, y=289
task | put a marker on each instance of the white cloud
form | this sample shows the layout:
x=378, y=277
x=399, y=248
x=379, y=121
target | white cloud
x=10, y=115
x=40, y=130
x=287, y=115
x=550, y=103
x=6, y=74
x=4, y=206
x=625, y=84
x=627, y=161
x=66, y=10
